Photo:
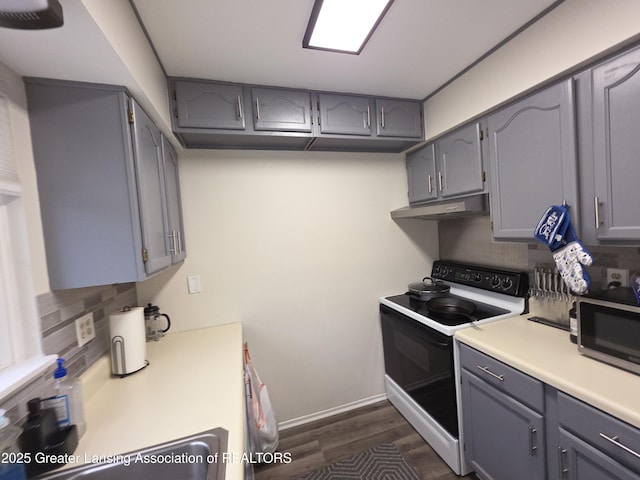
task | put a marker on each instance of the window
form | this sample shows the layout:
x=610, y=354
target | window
x=21, y=357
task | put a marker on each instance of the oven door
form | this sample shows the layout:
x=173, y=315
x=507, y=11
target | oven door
x=420, y=360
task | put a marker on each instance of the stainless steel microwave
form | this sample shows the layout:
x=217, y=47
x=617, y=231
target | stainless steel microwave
x=610, y=332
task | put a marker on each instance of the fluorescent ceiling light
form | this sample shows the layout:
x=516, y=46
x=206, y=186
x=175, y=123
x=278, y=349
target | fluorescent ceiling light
x=343, y=25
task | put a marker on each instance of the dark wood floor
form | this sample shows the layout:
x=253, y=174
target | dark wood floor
x=326, y=441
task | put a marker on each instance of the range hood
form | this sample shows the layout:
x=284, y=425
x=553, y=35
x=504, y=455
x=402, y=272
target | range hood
x=446, y=209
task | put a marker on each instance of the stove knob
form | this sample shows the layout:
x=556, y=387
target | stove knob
x=506, y=283
x=494, y=282
x=476, y=277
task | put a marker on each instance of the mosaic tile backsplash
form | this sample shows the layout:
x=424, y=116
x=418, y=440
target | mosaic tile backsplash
x=58, y=312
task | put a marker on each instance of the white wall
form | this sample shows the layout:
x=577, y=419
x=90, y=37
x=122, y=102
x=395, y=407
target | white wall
x=571, y=34
x=298, y=247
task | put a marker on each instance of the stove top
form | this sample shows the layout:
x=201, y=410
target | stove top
x=482, y=311
x=496, y=293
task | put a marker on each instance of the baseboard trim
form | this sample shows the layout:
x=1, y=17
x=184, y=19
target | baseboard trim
x=312, y=417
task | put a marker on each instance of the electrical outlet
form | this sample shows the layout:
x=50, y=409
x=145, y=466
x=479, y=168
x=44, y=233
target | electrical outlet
x=85, y=329
x=618, y=275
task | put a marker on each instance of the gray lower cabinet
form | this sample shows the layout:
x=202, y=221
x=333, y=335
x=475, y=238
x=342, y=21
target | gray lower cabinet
x=593, y=445
x=532, y=161
x=503, y=421
x=451, y=167
x=515, y=426
x=609, y=115
x=101, y=182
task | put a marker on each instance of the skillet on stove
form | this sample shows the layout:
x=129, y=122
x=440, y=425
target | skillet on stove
x=452, y=307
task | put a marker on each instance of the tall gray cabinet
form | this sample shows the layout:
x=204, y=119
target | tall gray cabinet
x=102, y=184
x=532, y=160
x=609, y=115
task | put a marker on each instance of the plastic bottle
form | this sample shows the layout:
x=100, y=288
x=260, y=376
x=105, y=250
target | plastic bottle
x=68, y=400
x=12, y=461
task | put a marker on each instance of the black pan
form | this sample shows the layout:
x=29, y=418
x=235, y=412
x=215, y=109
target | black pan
x=452, y=307
x=427, y=290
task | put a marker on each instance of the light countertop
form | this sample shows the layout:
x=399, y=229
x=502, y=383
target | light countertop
x=547, y=354
x=194, y=382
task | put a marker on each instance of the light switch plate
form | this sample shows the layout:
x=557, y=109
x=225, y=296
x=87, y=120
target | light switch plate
x=85, y=329
x=194, y=284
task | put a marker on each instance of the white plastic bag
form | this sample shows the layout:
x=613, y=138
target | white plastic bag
x=261, y=419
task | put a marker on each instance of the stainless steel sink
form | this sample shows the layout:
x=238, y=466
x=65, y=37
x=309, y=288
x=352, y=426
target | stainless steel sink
x=197, y=457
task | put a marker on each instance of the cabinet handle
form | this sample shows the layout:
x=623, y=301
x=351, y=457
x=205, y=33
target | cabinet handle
x=430, y=183
x=440, y=180
x=615, y=440
x=257, y=108
x=597, y=211
x=172, y=243
x=180, y=249
x=489, y=372
x=240, y=112
x=368, y=117
x=382, y=117
x=562, y=471
x=533, y=443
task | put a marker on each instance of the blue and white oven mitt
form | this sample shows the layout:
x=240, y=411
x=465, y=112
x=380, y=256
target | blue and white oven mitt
x=555, y=230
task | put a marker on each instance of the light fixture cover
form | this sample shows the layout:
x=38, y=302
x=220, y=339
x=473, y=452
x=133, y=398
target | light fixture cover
x=343, y=25
x=30, y=14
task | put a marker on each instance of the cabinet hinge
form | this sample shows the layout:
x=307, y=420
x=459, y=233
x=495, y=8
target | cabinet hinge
x=145, y=255
x=130, y=116
x=481, y=135
x=175, y=95
x=484, y=176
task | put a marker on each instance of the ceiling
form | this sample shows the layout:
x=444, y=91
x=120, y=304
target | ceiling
x=418, y=46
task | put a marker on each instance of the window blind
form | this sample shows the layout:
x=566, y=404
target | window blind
x=9, y=184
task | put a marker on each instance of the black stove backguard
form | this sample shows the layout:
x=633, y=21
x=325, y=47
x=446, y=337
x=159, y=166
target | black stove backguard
x=508, y=282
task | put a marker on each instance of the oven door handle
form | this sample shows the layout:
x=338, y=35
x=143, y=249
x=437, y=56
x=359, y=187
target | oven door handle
x=435, y=343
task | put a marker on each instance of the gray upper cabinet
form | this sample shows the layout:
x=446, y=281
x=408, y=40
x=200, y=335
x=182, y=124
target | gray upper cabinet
x=175, y=223
x=344, y=114
x=532, y=160
x=398, y=118
x=150, y=189
x=208, y=114
x=209, y=105
x=421, y=174
x=610, y=118
x=460, y=162
x=101, y=183
x=281, y=110
x=448, y=168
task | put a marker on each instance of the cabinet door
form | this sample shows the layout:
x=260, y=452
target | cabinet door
x=532, y=161
x=421, y=174
x=580, y=461
x=281, y=110
x=209, y=105
x=398, y=118
x=616, y=123
x=460, y=162
x=151, y=192
x=174, y=204
x=344, y=114
x=503, y=439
